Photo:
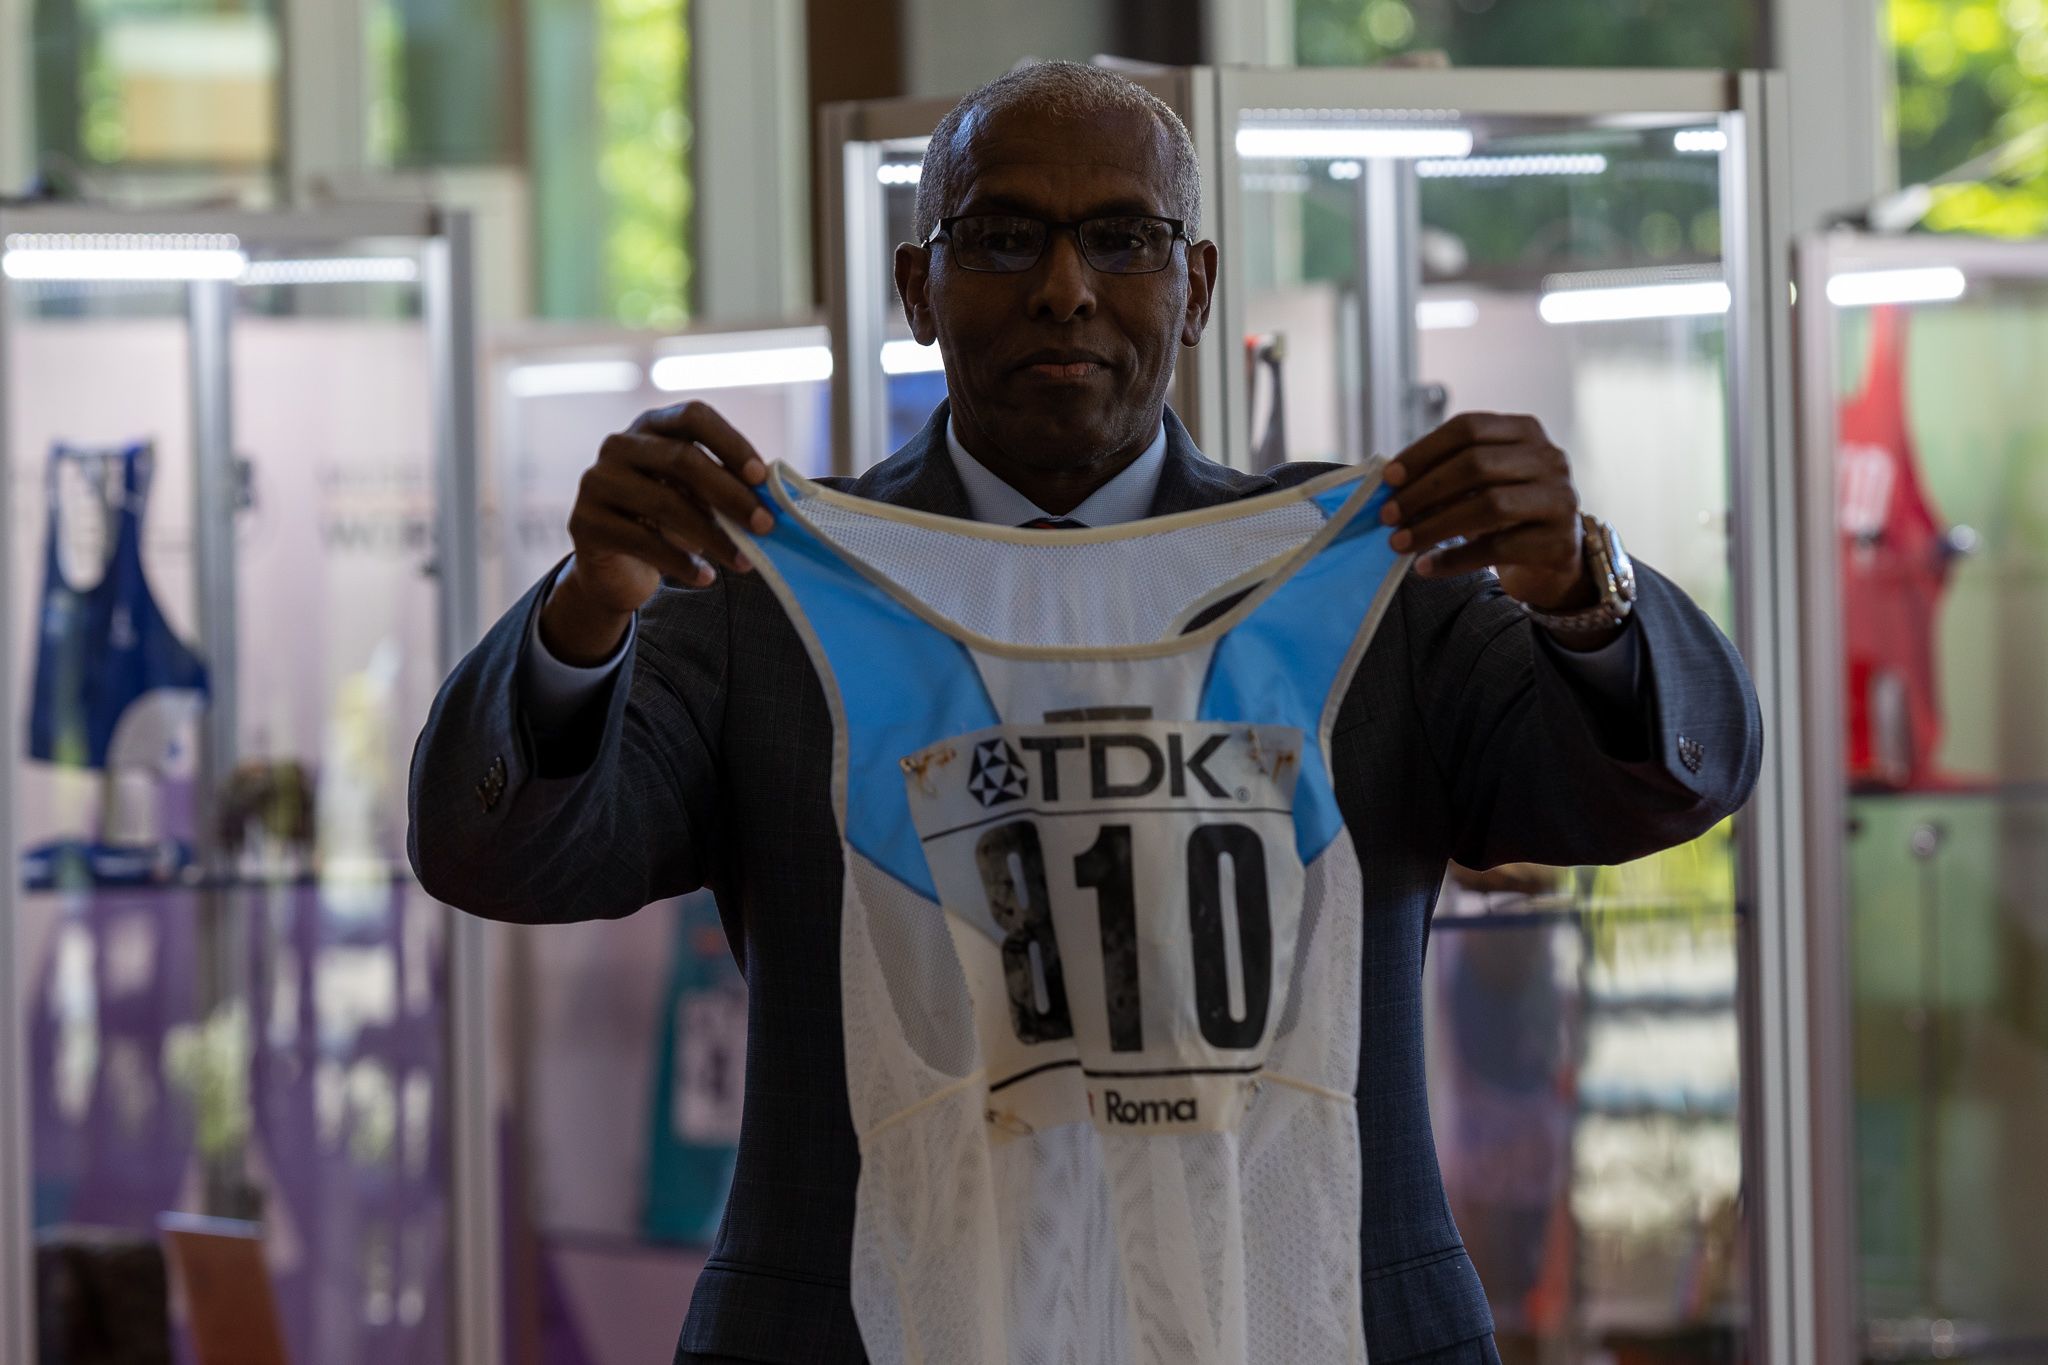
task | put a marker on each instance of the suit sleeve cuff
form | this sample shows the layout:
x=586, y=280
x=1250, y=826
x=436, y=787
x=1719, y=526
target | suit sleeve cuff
x=1612, y=673
x=556, y=691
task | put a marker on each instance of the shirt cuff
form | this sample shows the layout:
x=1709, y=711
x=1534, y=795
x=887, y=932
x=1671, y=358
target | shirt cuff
x=556, y=691
x=1612, y=672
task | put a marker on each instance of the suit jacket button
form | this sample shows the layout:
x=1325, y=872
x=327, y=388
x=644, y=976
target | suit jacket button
x=493, y=786
x=1691, y=753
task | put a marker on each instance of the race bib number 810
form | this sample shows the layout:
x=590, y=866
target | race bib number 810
x=1125, y=897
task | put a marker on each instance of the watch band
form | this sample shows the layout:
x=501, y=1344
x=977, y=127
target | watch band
x=1613, y=574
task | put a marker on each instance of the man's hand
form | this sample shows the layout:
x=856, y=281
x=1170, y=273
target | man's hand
x=1499, y=483
x=644, y=510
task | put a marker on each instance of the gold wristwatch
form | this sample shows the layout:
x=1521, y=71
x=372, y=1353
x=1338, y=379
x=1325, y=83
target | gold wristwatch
x=1613, y=574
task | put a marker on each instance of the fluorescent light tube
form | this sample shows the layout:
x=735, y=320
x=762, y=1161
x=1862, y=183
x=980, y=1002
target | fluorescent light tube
x=1700, y=140
x=1927, y=284
x=1314, y=144
x=1625, y=303
x=141, y=263
x=338, y=270
x=1444, y=315
x=740, y=369
x=1590, y=163
x=907, y=357
x=554, y=378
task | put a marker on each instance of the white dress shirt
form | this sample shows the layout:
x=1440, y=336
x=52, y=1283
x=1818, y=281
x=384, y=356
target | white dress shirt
x=1127, y=497
x=556, y=691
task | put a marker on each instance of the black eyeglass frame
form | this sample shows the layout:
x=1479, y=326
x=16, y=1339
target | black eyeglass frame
x=1179, y=226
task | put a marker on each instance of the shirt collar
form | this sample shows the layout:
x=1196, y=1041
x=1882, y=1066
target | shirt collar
x=1127, y=497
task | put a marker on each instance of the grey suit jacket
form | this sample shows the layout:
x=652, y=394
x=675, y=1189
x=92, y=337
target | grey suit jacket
x=707, y=762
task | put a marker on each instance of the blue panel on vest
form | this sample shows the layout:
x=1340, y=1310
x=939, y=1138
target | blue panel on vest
x=1279, y=665
x=874, y=646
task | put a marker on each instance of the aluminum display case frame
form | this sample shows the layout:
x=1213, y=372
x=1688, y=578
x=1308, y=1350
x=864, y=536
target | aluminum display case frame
x=1800, y=1262
x=447, y=292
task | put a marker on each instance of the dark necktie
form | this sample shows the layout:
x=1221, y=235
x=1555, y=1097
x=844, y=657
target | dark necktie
x=1053, y=524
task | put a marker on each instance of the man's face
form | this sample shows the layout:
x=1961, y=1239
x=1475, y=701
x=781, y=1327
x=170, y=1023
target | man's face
x=1059, y=366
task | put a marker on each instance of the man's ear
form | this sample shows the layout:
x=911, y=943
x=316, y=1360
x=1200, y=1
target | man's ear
x=1201, y=290
x=913, y=279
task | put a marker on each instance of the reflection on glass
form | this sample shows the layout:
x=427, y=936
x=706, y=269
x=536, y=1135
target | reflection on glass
x=165, y=85
x=1942, y=478
x=182, y=88
x=1584, y=1045
x=556, y=405
x=1575, y=33
x=233, y=990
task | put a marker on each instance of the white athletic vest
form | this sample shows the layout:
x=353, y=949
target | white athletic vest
x=1100, y=953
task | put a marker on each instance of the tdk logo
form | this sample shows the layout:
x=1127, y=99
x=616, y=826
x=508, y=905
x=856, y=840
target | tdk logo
x=1131, y=1112
x=1136, y=757
x=997, y=774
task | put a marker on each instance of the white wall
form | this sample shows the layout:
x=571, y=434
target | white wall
x=753, y=157
x=1839, y=86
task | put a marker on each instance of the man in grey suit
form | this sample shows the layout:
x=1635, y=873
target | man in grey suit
x=616, y=740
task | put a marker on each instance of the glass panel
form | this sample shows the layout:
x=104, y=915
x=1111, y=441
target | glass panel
x=445, y=81
x=1723, y=33
x=236, y=993
x=607, y=107
x=915, y=381
x=624, y=1039
x=623, y=1081
x=588, y=100
x=1942, y=472
x=1583, y=1090
x=101, y=503
x=554, y=404
x=338, y=657
x=1585, y=1042
x=143, y=83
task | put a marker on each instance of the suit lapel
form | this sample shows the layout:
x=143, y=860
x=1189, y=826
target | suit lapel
x=920, y=476
x=1191, y=479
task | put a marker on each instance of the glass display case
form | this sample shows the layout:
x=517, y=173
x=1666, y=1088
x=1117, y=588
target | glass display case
x=621, y=1041
x=1925, y=461
x=1409, y=245
x=234, y=449
x=1611, y=1049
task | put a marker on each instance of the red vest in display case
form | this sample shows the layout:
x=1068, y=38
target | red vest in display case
x=1895, y=566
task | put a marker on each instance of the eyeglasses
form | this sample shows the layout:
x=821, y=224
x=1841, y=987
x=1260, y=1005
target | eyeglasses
x=1006, y=243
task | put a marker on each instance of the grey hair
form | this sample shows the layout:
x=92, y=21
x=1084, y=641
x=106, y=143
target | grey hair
x=1065, y=90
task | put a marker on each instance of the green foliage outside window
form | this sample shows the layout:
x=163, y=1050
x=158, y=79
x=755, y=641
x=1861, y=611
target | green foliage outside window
x=643, y=61
x=389, y=135
x=605, y=146
x=1972, y=75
